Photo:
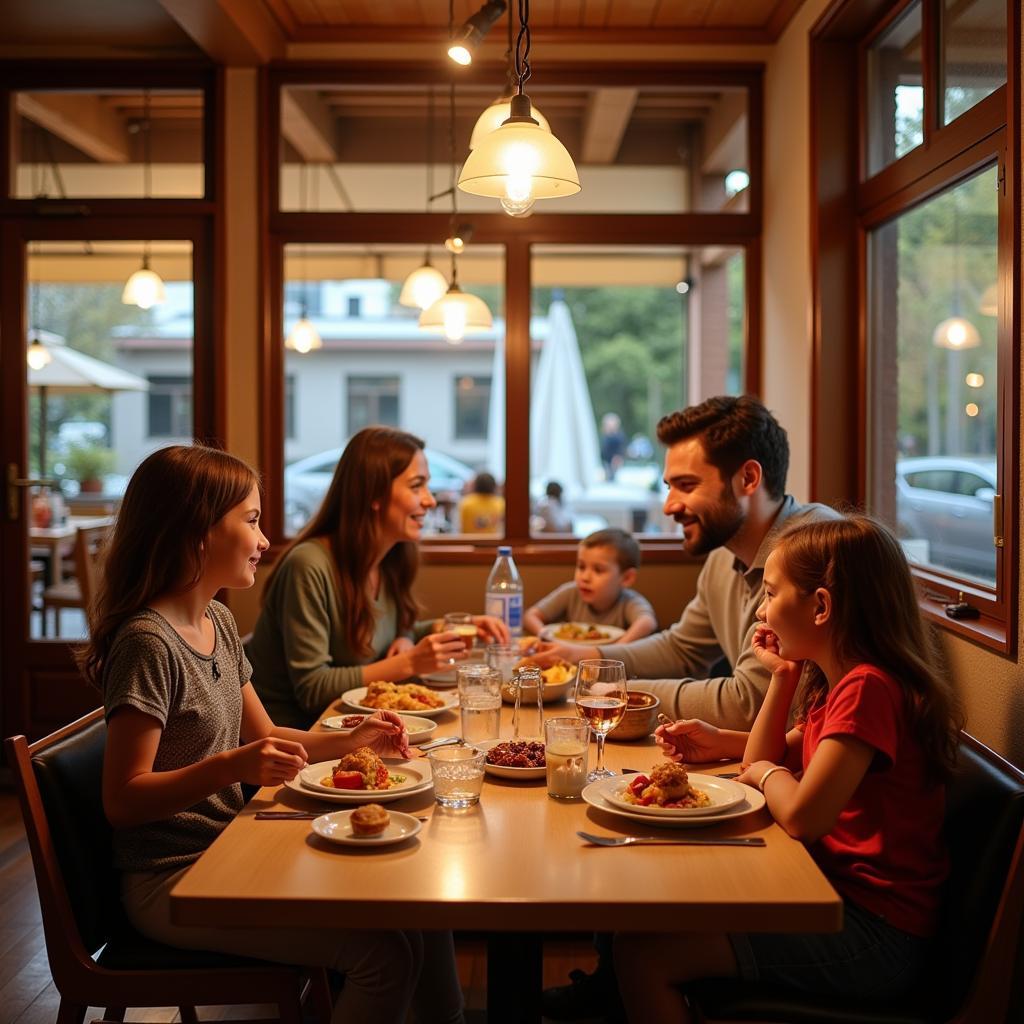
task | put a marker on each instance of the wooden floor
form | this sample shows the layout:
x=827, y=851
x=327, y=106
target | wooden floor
x=27, y=995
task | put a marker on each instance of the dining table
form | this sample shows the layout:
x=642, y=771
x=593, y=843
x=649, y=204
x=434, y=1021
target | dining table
x=58, y=541
x=513, y=868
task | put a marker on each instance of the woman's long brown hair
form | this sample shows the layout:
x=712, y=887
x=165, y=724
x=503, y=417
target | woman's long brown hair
x=172, y=502
x=350, y=524
x=875, y=620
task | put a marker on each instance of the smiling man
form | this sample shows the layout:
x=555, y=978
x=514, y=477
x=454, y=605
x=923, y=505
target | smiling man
x=726, y=469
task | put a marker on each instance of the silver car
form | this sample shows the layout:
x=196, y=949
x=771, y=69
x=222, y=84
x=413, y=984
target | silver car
x=947, y=502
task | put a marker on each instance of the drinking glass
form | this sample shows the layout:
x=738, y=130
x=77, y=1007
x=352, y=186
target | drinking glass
x=528, y=716
x=480, y=701
x=461, y=623
x=601, y=698
x=458, y=775
x=503, y=657
x=566, y=742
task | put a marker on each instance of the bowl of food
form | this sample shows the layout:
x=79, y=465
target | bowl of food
x=558, y=679
x=640, y=719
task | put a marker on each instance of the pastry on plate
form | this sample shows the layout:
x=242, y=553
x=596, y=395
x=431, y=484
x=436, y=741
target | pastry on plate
x=369, y=820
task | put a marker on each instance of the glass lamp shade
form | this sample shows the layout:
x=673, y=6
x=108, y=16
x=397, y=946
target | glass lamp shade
x=423, y=287
x=520, y=161
x=456, y=314
x=303, y=337
x=956, y=333
x=38, y=355
x=144, y=289
x=496, y=115
x=988, y=305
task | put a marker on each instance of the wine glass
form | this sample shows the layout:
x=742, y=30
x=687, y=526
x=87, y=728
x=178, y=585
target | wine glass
x=601, y=699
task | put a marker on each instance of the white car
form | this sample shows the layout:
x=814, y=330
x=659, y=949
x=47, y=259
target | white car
x=306, y=482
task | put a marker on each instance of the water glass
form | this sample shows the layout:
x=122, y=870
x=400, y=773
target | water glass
x=458, y=775
x=503, y=657
x=566, y=745
x=480, y=701
x=461, y=623
x=528, y=716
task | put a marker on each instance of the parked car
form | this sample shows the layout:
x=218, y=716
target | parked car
x=306, y=482
x=947, y=501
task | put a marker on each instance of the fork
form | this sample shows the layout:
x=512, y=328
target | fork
x=655, y=841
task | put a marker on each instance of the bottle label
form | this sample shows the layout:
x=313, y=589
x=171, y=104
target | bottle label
x=508, y=608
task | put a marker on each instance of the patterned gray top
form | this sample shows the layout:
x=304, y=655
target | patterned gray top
x=564, y=604
x=197, y=699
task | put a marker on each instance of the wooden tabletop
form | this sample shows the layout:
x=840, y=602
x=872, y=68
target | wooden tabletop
x=513, y=863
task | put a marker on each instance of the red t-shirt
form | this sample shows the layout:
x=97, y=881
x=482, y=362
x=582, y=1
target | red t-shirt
x=885, y=852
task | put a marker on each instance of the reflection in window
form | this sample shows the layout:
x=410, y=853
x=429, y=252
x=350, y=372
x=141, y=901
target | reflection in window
x=934, y=396
x=472, y=407
x=973, y=53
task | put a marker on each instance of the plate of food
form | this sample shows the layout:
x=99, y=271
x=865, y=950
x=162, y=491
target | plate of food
x=514, y=759
x=361, y=776
x=597, y=795
x=369, y=825
x=446, y=677
x=419, y=729
x=558, y=679
x=400, y=697
x=580, y=633
x=669, y=791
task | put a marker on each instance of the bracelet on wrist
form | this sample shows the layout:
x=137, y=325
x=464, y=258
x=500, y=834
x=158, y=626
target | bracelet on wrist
x=767, y=774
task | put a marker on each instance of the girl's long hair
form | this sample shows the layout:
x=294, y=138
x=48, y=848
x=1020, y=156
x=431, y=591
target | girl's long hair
x=875, y=620
x=349, y=521
x=172, y=502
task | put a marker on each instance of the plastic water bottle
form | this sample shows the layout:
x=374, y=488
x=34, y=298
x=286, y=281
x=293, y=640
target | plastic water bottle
x=504, y=597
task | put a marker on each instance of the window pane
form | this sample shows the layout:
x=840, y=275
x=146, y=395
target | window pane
x=665, y=149
x=376, y=365
x=622, y=336
x=934, y=390
x=117, y=385
x=114, y=143
x=973, y=52
x=895, y=93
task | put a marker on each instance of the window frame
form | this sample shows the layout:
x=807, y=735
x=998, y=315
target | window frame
x=282, y=228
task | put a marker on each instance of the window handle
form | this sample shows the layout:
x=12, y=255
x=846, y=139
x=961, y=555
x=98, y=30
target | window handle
x=997, y=520
x=13, y=494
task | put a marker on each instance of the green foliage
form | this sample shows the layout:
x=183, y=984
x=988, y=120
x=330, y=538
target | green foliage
x=88, y=462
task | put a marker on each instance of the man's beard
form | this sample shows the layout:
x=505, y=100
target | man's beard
x=717, y=526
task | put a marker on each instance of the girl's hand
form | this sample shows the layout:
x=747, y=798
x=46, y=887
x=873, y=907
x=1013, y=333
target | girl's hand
x=490, y=628
x=435, y=651
x=399, y=646
x=269, y=761
x=766, y=650
x=690, y=739
x=383, y=732
x=753, y=773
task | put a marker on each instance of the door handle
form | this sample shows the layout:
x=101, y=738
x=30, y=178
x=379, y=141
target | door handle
x=14, y=482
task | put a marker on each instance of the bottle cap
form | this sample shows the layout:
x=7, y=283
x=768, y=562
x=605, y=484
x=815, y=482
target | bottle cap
x=504, y=550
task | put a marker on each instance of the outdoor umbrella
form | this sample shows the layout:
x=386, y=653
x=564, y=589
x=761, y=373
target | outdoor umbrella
x=70, y=370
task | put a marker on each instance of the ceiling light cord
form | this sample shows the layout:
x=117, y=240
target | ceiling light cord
x=522, y=53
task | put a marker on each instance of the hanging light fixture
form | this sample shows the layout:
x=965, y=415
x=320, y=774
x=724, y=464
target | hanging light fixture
x=956, y=332
x=459, y=238
x=462, y=45
x=456, y=313
x=303, y=337
x=38, y=355
x=519, y=162
x=145, y=288
x=426, y=284
x=501, y=109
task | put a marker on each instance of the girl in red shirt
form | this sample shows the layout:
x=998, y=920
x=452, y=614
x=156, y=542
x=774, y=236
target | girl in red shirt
x=860, y=779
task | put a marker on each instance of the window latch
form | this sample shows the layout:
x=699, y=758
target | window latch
x=997, y=520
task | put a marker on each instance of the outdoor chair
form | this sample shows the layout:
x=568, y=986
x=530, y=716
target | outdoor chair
x=977, y=948
x=77, y=591
x=96, y=957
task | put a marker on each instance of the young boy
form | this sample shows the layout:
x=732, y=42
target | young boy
x=606, y=567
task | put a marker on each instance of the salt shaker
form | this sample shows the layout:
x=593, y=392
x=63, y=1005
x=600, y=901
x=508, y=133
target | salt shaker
x=528, y=717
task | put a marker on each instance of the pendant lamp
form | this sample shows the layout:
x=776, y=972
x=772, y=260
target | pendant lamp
x=38, y=355
x=462, y=45
x=303, y=337
x=519, y=161
x=956, y=332
x=145, y=288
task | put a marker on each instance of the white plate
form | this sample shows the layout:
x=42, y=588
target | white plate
x=593, y=795
x=423, y=727
x=502, y=772
x=418, y=779
x=351, y=698
x=336, y=827
x=613, y=633
x=724, y=794
x=446, y=677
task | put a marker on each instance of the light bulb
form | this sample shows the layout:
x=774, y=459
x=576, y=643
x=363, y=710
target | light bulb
x=423, y=287
x=460, y=54
x=517, y=207
x=38, y=355
x=455, y=243
x=303, y=337
x=956, y=333
x=144, y=289
x=454, y=322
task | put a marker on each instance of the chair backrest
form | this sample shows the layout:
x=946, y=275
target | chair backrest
x=976, y=947
x=88, y=540
x=59, y=782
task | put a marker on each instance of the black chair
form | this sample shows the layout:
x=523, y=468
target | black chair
x=96, y=957
x=976, y=951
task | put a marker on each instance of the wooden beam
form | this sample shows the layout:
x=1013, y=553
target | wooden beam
x=82, y=121
x=725, y=134
x=308, y=125
x=605, y=122
x=236, y=33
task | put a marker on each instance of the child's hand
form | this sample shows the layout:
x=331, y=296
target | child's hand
x=269, y=761
x=491, y=629
x=766, y=650
x=689, y=739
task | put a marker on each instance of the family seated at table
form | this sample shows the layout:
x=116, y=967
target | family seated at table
x=815, y=612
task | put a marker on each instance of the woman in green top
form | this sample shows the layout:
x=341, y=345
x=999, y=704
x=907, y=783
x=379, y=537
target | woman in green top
x=338, y=611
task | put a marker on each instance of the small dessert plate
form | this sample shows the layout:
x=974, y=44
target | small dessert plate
x=336, y=827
